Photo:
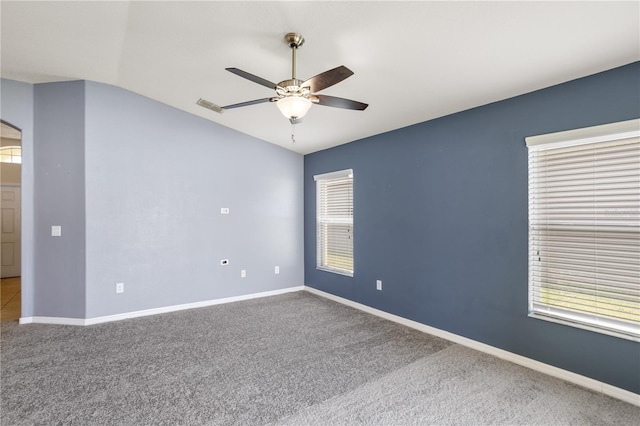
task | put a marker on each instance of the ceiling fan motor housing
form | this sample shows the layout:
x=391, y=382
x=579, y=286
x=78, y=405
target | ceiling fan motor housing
x=292, y=87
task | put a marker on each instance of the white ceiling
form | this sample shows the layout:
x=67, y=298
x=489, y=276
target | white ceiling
x=413, y=61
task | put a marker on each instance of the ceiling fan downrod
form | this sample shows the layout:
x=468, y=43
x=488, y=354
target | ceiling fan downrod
x=294, y=40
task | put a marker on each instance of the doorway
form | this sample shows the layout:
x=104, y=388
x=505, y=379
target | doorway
x=10, y=223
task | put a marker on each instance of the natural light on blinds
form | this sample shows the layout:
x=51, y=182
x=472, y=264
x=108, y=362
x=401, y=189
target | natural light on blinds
x=334, y=222
x=584, y=228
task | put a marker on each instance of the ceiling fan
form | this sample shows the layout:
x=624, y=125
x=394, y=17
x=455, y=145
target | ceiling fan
x=294, y=97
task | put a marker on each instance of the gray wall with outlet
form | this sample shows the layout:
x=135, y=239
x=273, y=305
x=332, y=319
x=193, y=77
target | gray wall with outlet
x=157, y=181
x=60, y=198
x=137, y=188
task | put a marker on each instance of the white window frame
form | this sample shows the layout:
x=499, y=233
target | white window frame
x=546, y=213
x=341, y=215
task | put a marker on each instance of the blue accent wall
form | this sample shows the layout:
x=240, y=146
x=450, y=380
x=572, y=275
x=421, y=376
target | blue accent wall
x=440, y=216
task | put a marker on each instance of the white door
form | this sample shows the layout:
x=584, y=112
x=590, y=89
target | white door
x=10, y=231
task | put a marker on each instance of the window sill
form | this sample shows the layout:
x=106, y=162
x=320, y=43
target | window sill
x=335, y=271
x=583, y=326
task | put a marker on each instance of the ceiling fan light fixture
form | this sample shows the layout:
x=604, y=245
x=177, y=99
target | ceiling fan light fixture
x=293, y=107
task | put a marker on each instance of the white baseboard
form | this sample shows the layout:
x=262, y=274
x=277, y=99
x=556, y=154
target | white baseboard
x=52, y=320
x=154, y=311
x=586, y=382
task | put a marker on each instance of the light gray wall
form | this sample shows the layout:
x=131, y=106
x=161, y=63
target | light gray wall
x=16, y=108
x=156, y=178
x=137, y=187
x=59, y=199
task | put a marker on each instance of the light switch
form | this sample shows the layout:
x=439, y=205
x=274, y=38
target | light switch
x=56, y=231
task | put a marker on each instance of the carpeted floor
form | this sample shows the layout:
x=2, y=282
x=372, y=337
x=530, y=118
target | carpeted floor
x=294, y=359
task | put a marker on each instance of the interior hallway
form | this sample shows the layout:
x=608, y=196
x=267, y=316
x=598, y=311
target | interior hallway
x=10, y=299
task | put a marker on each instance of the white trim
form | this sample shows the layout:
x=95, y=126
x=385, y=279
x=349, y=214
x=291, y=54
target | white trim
x=154, y=311
x=339, y=271
x=52, y=320
x=586, y=382
x=578, y=323
x=594, y=134
x=334, y=175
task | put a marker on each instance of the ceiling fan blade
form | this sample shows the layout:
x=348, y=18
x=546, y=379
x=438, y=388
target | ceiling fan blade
x=254, y=78
x=244, y=104
x=335, y=102
x=327, y=78
x=210, y=105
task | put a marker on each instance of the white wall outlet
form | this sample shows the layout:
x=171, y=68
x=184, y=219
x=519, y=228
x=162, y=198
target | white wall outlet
x=243, y=274
x=277, y=270
x=379, y=285
x=224, y=262
x=119, y=287
x=224, y=210
x=56, y=231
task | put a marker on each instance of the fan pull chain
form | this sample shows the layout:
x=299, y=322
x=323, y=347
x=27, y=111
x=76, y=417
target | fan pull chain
x=293, y=134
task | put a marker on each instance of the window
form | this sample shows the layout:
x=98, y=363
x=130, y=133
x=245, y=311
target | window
x=11, y=154
x=334, y=222
x=584, y=228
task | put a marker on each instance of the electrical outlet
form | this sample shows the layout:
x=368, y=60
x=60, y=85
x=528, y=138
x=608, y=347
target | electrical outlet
x=277, y=270
x=119, y=287
x=56, y=231
x=224, y=210
x=243, y=274
x=379, y=285
x=224, y=262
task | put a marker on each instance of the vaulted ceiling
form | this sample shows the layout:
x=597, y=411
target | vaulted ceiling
x=413, y=61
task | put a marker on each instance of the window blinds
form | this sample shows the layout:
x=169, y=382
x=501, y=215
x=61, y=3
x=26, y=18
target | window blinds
x=334, y=222
x=584, y=228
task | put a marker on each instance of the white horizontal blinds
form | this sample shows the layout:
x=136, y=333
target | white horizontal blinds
x=334, y=222
x=584, y=233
